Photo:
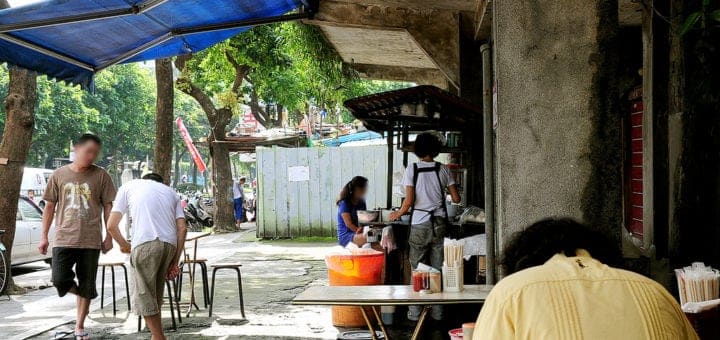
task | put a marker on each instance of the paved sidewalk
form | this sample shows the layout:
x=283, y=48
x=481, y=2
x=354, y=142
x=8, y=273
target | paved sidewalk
x=41, y=309
x=274, y=272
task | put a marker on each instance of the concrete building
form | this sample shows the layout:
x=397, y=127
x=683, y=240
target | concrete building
x=587, y=103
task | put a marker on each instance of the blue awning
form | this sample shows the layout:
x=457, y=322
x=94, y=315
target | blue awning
x=71, y=40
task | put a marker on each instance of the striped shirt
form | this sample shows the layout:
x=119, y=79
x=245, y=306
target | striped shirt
x=570, y=298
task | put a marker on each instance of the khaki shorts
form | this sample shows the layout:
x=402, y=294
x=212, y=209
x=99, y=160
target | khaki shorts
x=149, y=263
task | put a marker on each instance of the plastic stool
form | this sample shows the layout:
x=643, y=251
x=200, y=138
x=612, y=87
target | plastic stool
x=203, y=275
x=233, y=266
x=112, y=266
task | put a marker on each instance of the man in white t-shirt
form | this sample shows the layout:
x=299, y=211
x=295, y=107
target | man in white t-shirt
x=425, y=184
x=158, y=237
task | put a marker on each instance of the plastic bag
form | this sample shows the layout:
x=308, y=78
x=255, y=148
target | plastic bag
x=387, y=241
x=398, y=188
x=473, y=214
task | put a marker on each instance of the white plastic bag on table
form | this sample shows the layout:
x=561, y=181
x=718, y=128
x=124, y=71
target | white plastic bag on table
x=473, y=214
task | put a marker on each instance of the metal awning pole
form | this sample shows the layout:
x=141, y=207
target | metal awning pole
x=242, y=23
x=390, y=157
x=405, y=144
x=140, y=49
x=203, y=29
x=145, y=6
x=72, y=19
x=47, y=52
x=488, y=161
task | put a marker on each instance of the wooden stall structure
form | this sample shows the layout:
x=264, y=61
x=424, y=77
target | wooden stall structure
x=399, y=113
x=248, y=144
x=402, y=112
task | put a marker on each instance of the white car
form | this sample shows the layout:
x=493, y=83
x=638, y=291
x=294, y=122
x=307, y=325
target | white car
x=28, y=232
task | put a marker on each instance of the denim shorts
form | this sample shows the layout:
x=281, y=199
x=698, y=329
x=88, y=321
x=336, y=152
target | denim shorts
x=85, y=263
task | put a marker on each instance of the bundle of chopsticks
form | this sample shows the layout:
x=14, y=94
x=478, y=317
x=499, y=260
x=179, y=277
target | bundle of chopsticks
x=453, y=253
x=698, y=283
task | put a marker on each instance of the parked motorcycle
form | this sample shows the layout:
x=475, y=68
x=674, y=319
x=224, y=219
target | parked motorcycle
x=197, y=207
x=195, y=215
x=250, y=205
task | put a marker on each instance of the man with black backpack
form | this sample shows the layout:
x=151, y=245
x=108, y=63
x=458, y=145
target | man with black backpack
x=425, y=184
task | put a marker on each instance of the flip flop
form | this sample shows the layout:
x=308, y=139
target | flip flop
x=82, y=336
x=62, y=334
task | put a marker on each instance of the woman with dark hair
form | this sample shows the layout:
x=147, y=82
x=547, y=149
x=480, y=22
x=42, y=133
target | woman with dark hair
x=352, y=199
x=563, y=286
x=545, y=238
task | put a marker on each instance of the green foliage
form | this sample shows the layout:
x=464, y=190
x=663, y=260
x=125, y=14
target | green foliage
x=121, y=111
x=289, y=64
x=704, y=17
x=125, y=101
x=690, y=22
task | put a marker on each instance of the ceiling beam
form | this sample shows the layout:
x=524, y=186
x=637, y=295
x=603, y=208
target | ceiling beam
x=436, y=32
x=420, y=76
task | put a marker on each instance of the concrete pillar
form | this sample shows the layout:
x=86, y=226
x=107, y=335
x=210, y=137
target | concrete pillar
x=558, y=126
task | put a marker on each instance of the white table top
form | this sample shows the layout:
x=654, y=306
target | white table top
x=387, y=296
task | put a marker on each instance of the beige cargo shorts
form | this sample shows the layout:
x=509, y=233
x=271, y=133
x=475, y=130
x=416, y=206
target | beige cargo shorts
x=149, y=263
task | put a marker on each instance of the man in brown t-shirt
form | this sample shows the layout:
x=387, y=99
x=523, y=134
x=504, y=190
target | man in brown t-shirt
x=77, y=196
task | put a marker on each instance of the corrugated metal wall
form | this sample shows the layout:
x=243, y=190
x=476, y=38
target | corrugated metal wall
x=307, y=208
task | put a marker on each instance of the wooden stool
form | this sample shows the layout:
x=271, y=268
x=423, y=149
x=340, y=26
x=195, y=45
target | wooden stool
x=112, y=266
x=204, y=276
x=172, y=309
x=233, y=266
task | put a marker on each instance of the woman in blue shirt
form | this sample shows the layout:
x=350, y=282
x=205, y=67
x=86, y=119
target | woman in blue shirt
x=352, y=199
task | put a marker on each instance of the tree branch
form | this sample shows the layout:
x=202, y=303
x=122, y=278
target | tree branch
x=241, y=72
x=185, y=85
x=257, y=110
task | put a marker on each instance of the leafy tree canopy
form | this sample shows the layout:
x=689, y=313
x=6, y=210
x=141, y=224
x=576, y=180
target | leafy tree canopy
x=287, y=64
x=121, y=111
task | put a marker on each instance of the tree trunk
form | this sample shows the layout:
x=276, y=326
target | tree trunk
x=162, y=158
x=194, y=173
x=179, y=154
x=222, y=173
x=16, y=140
x=219, y=118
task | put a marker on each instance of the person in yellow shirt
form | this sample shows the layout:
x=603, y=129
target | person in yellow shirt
x=562, y=285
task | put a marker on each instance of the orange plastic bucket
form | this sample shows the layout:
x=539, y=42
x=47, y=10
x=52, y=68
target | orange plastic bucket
x=363, y=267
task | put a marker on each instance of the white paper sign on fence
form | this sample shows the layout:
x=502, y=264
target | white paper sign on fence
x=298, y=173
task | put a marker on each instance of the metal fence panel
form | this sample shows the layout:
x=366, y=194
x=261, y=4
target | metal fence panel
x=308, y=207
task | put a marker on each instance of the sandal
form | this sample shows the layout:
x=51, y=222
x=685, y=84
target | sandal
x=83, y=335
x=62, y=334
